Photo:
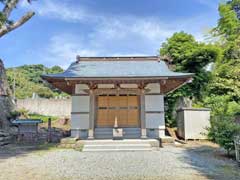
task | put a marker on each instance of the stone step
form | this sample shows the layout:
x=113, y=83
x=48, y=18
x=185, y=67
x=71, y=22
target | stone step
x=117, y=147
x=112, y=150
x=107, y=146
x=167, y=139
x=120, y=145
x=104, y=132
x=124, y=141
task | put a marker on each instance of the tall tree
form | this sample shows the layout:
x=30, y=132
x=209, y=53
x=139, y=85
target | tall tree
x=226, y=75
x=188, y=55
x=6, y=24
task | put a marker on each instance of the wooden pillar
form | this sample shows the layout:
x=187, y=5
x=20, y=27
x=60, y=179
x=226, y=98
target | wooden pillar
x=142, y=114
x=49, y=137
x=91, y=114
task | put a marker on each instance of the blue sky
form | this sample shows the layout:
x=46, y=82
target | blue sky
x=62, y=29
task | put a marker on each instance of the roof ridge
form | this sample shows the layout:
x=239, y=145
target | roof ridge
x=118, y=58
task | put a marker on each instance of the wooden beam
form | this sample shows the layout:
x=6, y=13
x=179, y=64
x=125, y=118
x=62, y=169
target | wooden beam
x=166, y=85
x=116, y=91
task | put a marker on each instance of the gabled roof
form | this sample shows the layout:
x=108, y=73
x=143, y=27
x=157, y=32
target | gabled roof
x=117, y=70
x=117, y=67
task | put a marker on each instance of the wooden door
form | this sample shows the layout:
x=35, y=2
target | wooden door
x=124, y=109
x=133, y=111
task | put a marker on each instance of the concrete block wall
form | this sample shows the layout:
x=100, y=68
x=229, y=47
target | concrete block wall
x=49, y=107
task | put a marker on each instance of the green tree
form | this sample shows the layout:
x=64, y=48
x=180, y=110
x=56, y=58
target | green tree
x=188, y=55
x=28, y=81
x=228, y=24
x=226, y=74
x=223, y=91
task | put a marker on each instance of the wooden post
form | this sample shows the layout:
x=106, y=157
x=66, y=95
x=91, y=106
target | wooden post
x=142, y=114
x=49, y=138
x=91, y=115
x=36, y=132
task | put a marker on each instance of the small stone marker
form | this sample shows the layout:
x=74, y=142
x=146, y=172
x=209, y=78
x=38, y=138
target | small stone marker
x=117, y=132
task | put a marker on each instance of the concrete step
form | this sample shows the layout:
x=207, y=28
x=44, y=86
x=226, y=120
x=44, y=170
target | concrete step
x=116, y=146
x=167, y=139
x=120, y=145
x=114, y=150
x=124, y=141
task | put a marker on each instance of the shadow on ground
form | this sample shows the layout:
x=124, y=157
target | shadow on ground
x=211, y=162
x=23, y=149
x=29, y=144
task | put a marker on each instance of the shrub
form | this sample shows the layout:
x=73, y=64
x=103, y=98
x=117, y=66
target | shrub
x=222, y=131
x=44, y=118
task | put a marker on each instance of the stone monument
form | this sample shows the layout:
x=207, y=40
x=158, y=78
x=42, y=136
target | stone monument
x=6, y=101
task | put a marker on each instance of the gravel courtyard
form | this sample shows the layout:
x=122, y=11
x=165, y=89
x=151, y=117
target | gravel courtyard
x=66, y=164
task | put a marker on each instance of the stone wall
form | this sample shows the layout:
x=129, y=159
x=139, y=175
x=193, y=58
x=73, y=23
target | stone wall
x=51, y=107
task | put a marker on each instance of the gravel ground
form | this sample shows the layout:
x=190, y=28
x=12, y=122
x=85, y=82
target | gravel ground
x=65, y=164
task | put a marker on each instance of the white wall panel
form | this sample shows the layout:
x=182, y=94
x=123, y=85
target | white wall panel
x=196, y=122
x=80, y=121
x=154, y=103
x=155, y=120
x=80, y=103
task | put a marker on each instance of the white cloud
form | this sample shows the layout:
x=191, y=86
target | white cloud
x=121, y=27
x=59, y=10
x=116, y=37
x=63, y=48
x=111, y=35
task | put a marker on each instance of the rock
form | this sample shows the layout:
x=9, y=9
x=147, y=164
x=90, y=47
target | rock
x=5, y=138
x=4, y=143
x=13, y=130
x=6, y=101
x=8, y=138
x=68, y=140
x=63, y=121
x=4, y=134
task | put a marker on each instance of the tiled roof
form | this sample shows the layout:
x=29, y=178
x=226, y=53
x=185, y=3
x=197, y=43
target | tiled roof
x=118, y=67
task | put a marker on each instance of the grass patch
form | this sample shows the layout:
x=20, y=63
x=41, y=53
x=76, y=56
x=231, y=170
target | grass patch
x=42, y=117
x=229, y=170
x=47, y=146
